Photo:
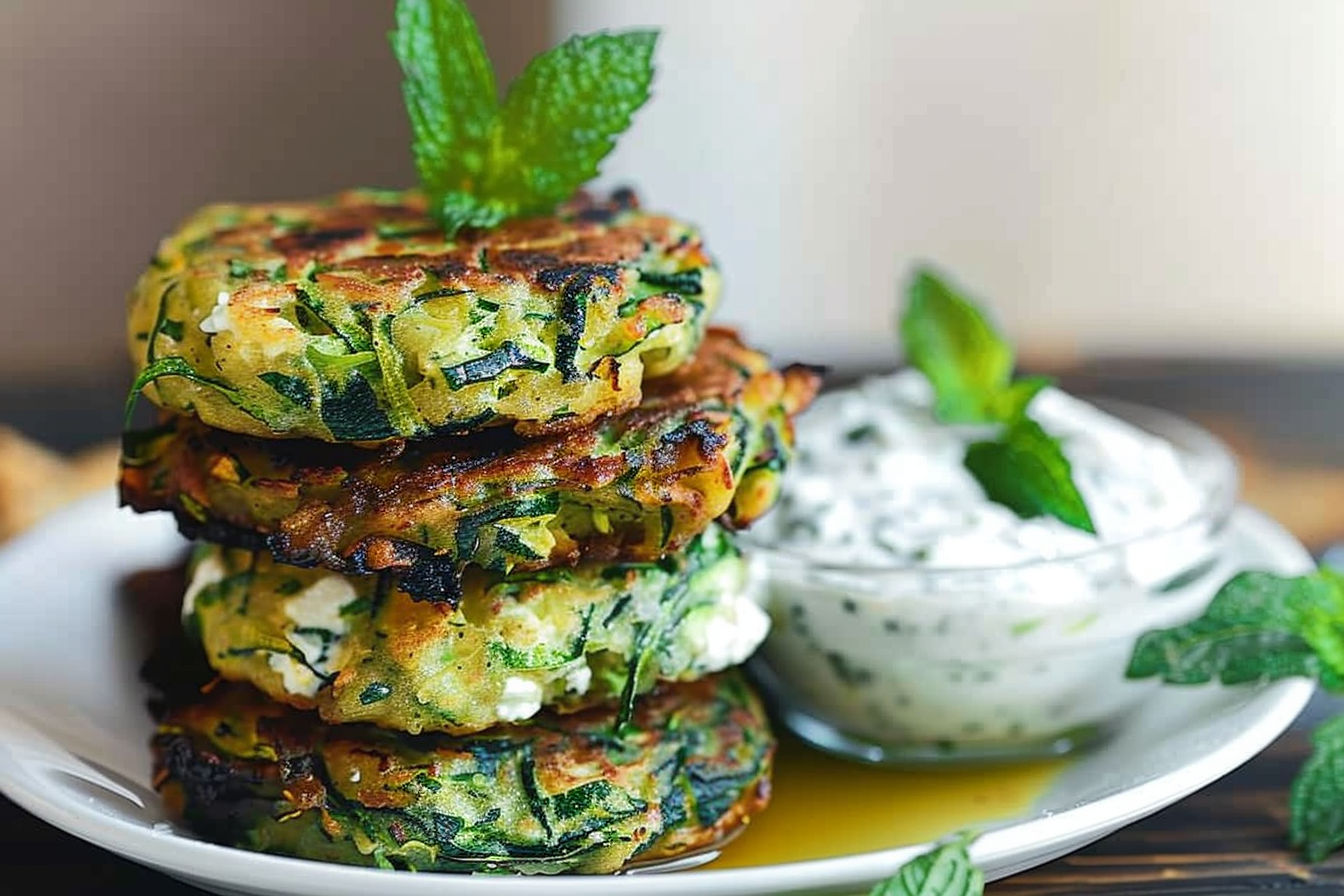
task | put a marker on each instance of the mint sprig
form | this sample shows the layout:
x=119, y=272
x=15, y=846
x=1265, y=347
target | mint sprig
x=1259, y=626
x=1264, y=627
x=481, y=161
x=945, y=870
x=1316, y=799
x=970, y=365
x=1026, y=471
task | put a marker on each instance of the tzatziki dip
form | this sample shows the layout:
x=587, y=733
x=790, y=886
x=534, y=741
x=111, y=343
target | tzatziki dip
x=913, y=617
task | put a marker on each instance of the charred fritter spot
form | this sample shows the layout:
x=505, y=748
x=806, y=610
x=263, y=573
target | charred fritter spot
x=316, y=241
x=571, y=794
x=353, y=319
x=709, y=441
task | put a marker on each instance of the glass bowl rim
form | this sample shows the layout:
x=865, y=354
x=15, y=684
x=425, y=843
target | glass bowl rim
x=1188, y=437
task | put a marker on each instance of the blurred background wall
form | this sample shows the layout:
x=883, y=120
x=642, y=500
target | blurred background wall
x=1117, y=177
x=121, y=116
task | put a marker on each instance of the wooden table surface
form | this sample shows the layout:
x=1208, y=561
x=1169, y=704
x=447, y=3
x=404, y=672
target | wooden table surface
x=1228, y=839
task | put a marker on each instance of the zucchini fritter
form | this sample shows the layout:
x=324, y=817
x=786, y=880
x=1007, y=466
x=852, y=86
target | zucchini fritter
x=568, y=794
x=351, y=319
x=708, y=441
x=360, y=650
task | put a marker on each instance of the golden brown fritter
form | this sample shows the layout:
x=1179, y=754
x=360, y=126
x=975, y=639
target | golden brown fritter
x=358, y=649
x=351, y=318
x=568, y=794
x=707, y=442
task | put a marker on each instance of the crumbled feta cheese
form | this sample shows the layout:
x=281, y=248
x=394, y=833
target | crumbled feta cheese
x=296, y=677
x=521, y=699
x=217, y=321
x=725, y=633
x=319, y=605
x=206, y=573
x=315, y=609
x=578, y=677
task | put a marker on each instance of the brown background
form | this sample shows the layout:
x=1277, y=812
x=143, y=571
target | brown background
x=121, y=116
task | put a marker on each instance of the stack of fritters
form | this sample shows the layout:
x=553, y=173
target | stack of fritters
x=465, y=513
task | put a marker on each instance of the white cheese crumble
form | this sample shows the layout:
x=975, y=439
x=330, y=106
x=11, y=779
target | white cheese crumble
x=725, y=633
x=209, y=571
x=319, y=605
x=521, y=699
x=296, y=677
x=578, y=677
x=315, y=609
x=217, y=321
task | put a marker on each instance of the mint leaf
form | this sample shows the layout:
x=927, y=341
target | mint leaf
x=943, y=871
x=948, y=340
x=1259, y=626
x=970, y=366
x=449, y=88
x=1011, y=403
x=457, y=209
x=562, y=116
x=480, y=162
x=1316, y=800
x=1026, y=471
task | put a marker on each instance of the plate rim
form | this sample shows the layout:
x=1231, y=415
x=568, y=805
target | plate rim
x=186, y=858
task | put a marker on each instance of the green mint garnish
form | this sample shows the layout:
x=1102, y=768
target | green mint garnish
x=948, y=340
x=970, y=365
x=481, y=161
x=1263, y=627
x=1025, y=470
x=450, y=93
x=1316, y=800
x=943, y=871
x=1259, y=626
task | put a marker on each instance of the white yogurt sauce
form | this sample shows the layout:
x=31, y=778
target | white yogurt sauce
x=878, y=481
x=942, y=622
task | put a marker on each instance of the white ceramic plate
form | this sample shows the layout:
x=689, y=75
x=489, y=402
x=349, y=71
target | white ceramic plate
x=74, y=734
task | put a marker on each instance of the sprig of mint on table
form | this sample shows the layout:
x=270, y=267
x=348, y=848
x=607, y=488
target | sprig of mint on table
x=1263, y=627
x=945, y=870
x=481, y=160
x=948, y=339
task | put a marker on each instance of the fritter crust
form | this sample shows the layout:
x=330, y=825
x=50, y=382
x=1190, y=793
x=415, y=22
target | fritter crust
x=352, y=319
x=568, y=794
x=709, y=441
x=358, y=649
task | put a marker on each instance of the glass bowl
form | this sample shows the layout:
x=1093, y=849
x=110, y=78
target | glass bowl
x=920, y=663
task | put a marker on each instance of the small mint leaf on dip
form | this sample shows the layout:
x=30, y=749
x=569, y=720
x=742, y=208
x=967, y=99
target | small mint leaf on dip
x=943, y=871
x=562, y=116
x=970, y=366
x=1011, y=403
x=954, y=345
x=1026, y=471
x=1316, y=800
x=1258, y=627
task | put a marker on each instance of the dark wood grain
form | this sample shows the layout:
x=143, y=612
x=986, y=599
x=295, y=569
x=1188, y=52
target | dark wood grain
x=1226, y=840
x=1230, y=838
